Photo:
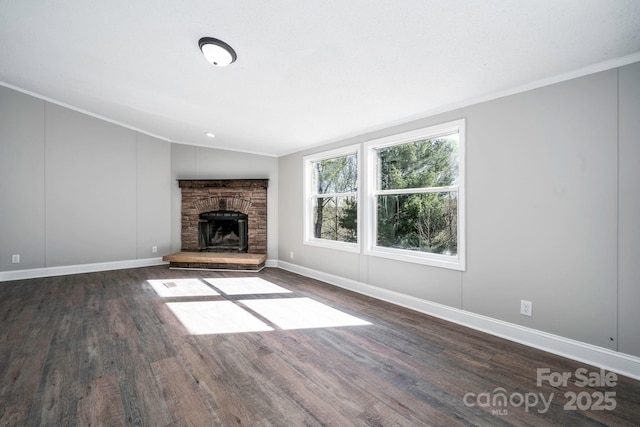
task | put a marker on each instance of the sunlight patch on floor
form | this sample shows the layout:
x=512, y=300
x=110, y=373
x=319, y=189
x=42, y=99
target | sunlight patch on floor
x=215, y=317
x=301, y=313
x=181, y=288
x=246, y=286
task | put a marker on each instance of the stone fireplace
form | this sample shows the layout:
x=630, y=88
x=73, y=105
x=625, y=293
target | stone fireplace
x=222, y=219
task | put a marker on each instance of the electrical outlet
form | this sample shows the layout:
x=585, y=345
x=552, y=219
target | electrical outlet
x=154, y=249
x=15, y=259
x=526, y=308
x=291, y=255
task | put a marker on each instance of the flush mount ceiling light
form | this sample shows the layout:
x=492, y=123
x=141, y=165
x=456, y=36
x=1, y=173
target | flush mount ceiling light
x=210, y=134
x=217, y=52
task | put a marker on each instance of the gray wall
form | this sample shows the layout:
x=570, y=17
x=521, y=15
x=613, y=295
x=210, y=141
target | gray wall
x=629, y=211
x=542, y=208
x=76, y=189
x=22, y=214
x=191, y=162
x=552, y=208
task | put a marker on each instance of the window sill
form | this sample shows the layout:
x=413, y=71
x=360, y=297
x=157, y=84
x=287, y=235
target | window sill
x=332, y=244
x=434, y=260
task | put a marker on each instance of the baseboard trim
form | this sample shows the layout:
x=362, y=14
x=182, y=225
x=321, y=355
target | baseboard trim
x=599, y=357
x=35, y=273
x=271, y=263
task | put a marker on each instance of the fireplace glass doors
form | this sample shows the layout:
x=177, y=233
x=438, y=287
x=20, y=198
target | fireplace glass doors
x=223, y=231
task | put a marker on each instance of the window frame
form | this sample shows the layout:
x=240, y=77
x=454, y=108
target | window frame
x=371, y=193
x=309, y=193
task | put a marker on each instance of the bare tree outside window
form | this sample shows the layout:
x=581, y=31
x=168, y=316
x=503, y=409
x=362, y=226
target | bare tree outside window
x=335, y=186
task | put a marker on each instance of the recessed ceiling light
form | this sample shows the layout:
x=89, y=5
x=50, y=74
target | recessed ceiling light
x=210, y=134
x=217, y=52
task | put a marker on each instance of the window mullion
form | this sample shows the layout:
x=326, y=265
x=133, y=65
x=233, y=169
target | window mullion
x=445, y=189
x=329, y=195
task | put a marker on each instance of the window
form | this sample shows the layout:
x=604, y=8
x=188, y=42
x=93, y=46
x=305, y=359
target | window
x=331, y=199
x=415, y=206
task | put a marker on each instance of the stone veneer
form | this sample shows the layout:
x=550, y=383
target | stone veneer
x=248, y=196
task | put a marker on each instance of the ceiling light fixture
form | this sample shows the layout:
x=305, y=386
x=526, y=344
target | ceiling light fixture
x=217, y=52
x=210, y=134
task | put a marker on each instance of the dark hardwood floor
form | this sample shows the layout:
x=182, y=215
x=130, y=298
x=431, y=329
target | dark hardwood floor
x=104, y=349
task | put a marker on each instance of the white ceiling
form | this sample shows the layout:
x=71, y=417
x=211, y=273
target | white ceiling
x=308, y=71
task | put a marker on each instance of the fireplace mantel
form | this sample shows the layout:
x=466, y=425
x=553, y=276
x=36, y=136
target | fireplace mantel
x=223, y=183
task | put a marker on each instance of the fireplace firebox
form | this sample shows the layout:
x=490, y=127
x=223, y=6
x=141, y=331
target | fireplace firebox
x=223, y=231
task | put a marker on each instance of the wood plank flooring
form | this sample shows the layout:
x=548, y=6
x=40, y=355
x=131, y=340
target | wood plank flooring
x=104, y=349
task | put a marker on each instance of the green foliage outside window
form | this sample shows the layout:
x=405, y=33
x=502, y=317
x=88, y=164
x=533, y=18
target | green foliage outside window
x=422, y=218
